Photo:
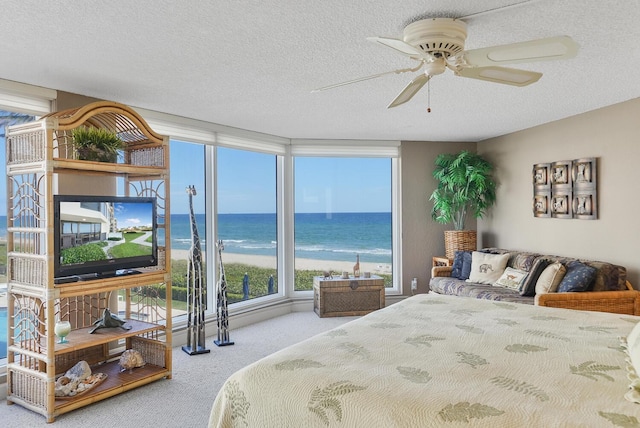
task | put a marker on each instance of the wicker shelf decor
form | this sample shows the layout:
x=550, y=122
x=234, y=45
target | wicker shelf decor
x=41, y=162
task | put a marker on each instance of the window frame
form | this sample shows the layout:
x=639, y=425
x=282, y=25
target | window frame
x=27, y=99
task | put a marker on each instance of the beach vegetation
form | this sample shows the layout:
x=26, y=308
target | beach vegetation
x=258, y=278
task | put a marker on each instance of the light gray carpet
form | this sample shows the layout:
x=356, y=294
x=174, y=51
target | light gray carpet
x=186, y=399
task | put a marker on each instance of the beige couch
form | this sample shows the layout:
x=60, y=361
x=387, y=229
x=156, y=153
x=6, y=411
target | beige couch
x=610, y=292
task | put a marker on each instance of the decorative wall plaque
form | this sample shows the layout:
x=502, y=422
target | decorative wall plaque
x=566, y=189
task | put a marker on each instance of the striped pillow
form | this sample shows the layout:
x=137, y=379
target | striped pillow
x=529, y=285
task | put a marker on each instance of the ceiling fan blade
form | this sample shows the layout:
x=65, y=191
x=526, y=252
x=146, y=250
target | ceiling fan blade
x=400, y=46
x=410, y=90
x=373, y=76
x=552, y=48
x=507, y=76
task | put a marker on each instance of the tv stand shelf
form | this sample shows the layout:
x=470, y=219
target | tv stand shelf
x=44, y=160
x=81, y=338
x=116, y=382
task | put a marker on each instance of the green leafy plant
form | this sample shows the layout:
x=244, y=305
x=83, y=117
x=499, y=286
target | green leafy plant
x=96, y=144
x=465, y=185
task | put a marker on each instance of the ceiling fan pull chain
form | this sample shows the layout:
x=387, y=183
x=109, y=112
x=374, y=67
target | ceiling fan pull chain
x=429, y=96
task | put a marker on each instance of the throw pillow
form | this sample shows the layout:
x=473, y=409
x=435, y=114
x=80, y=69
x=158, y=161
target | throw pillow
x=523, y=261
x=487, y=268
x=456, y=267
x=511, y=278
x=579, y=277
x=466, y=265
x=529, y=284
x=550, y=278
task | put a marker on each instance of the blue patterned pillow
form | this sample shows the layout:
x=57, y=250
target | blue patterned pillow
x=466, y=265
x=579, y=277
x=461, y=267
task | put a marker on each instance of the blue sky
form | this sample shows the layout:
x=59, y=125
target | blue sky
x=247, y=182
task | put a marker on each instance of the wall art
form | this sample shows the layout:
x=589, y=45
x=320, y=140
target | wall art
x=566, y=189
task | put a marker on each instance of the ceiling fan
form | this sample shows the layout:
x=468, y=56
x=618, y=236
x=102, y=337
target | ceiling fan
x=438, y=44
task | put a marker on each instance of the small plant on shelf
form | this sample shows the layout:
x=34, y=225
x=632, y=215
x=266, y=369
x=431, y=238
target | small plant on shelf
x=96, y=144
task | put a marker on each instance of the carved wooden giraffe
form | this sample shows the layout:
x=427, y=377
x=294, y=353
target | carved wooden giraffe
x=222, y=311
x=195, y=288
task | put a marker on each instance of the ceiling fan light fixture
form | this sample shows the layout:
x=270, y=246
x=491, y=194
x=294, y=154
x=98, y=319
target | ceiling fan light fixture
x=435, y=67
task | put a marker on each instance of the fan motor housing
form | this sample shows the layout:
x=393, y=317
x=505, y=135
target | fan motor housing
x=440, y=37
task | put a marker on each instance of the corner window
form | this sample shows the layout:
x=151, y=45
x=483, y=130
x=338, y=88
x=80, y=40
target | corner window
x=342, y=215
x=247, y=222
x=187, y=169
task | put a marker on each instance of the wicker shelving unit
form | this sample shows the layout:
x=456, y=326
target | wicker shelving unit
x=38, y=155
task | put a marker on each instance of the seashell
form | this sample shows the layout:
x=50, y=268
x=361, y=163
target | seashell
x=66, y=385
x=131, y=359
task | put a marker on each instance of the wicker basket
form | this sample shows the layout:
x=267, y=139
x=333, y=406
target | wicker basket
x=459, y=240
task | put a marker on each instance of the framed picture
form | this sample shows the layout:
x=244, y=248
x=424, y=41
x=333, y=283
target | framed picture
x=561, y=173
x=541, y=176
x=541, y=204
x=561, y=204
x=585, y=205
x=583, y=173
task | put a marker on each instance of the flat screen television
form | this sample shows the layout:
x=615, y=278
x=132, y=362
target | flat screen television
x=102, y=236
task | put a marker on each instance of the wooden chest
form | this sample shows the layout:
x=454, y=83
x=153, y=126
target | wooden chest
x=339, y=297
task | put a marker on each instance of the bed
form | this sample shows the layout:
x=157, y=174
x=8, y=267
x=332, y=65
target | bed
x=435, y=360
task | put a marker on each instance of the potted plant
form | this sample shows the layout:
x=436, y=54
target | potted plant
x=465, y=186
x=96, y=144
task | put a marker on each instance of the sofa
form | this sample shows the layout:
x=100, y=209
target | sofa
x=540, y=279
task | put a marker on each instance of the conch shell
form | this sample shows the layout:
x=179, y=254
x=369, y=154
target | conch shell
x=131, y=359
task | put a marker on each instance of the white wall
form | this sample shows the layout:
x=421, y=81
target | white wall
x=612, y=135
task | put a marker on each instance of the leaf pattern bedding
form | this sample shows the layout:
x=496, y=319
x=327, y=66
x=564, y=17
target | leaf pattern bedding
x=436, y=361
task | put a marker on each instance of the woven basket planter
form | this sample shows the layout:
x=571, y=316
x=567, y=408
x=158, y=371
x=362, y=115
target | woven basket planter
x=459, y=240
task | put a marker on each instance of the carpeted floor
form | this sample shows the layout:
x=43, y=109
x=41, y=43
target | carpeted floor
x=185, y=400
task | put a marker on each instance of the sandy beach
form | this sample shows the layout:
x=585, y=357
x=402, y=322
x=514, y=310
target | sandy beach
x=301, y=264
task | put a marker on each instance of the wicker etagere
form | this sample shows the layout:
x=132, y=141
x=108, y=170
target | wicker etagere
x=38, y=155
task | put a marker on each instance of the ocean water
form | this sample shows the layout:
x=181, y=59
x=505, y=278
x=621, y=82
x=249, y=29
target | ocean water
x=319, y=236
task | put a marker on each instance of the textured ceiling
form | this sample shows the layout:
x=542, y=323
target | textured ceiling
x=252, y=64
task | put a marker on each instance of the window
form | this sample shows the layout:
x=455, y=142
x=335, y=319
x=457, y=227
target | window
x=187, y=164
x=247, y=222
x=343, y=212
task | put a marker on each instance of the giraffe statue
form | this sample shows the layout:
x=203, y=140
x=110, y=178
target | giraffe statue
x=222, y=307
x=356, y=267
x=195, y=288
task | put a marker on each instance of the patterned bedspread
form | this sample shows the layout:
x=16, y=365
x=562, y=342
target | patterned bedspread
x=438, y=361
